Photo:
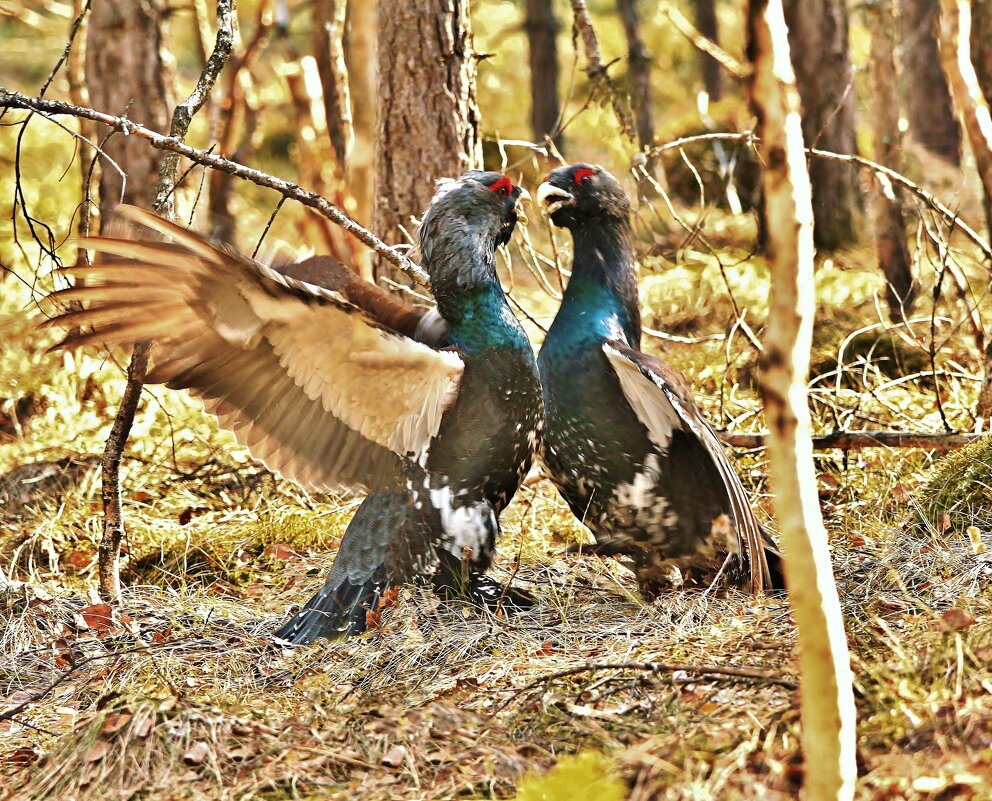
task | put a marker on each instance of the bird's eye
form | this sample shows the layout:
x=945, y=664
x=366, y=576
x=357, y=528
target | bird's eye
x=583, y=174
x=503, y=186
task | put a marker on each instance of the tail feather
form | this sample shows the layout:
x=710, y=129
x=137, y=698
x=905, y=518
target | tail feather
x=339, y=610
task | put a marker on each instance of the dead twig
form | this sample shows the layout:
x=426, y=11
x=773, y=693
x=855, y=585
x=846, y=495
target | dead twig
x=698, y=673
x=859, y=440
x=9, y=99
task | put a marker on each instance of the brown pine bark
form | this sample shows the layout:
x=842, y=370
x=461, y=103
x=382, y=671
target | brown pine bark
x=708, y=25
x=828, y=712
x=928, y=100
x=818, y=38
x=542, y=29
x=890, y=228
x=429, y=122
x=639, y=71
x=125, y=73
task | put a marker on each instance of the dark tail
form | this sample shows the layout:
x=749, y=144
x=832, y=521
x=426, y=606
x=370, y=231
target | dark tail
x=340, y=609
x=358, y=577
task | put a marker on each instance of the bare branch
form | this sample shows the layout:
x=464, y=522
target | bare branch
x=859, y=440
x=596, y=69
x=9, y=99
x=700, y=42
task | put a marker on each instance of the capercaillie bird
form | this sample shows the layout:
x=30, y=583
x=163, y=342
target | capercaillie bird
x=436, y=414
x=623, y=441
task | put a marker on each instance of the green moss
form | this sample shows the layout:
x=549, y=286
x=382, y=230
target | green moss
x=961, y=487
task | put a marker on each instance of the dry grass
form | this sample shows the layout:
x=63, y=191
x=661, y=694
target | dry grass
x=181, y=695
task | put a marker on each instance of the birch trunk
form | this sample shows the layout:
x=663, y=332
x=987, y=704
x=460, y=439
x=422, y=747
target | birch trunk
x=826, y=680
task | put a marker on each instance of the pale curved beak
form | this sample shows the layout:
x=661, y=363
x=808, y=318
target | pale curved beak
x=550, y=198
x=524, y=196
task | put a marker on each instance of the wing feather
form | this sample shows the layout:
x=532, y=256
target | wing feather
x=662, y=402
x=317, y=388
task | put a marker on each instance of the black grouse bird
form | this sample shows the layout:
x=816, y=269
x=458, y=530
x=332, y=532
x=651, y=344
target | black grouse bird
x=331, y=387
x=623, y=441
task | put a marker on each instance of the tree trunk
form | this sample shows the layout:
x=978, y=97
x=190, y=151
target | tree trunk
x=708, y=25
x=981, y=57
x=360, y=58
x=928, y=101
x=542, y=41
x=125, y=74
x=818, y=37
x=890, y=228
x=976, y=119
x=328, y=45
x=429, y=124
x=826, y=681
x=639, y=70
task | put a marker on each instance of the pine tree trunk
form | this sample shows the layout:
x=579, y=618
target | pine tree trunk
x=639, y=71
x=825, y=681
x=708, y=25
x=818, y=37
x=542, y=41
x=981, y=57
x=928, y=100
x=429, y=125
x=890, y=228
x=125, y=74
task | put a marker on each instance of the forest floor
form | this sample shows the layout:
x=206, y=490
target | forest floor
x=178, y=693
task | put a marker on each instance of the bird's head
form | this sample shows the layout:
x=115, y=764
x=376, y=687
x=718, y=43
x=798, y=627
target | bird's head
x=473, y=214
x=579, y=194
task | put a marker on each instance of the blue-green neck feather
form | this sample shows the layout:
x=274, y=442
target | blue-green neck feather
x=600, y=301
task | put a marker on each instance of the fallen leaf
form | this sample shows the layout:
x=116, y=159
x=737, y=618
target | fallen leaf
x=196, y=753
x=280, y=551
x=162, y=636
x=79, y=560
x=23, y=756
x=98, y=617
x=114, y=722
x=547, y=649
x=98, y=751
x=943, y=522
x=955, y=620
x=185, y=516
x=975, y=535
x=140, y=496
x=394, y=757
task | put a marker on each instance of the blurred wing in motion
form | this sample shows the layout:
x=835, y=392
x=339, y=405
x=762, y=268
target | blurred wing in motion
x=318, y=388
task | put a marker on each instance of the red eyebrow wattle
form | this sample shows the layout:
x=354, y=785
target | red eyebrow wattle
x=502, y=184
x=582, y=172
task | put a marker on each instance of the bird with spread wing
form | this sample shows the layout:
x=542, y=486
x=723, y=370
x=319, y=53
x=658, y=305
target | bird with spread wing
x=343, y=386
x=623, y=440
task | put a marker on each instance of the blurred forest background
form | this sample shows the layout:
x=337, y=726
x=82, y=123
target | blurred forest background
x=175, y=692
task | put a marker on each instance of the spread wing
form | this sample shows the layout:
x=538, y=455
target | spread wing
x=663, y=403
x=316, y=387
